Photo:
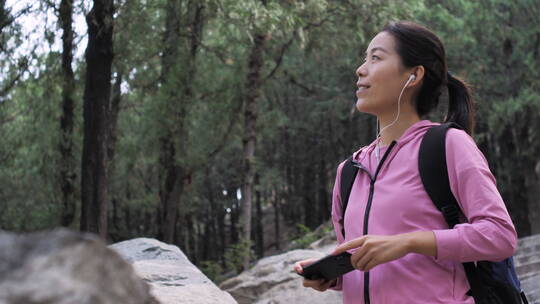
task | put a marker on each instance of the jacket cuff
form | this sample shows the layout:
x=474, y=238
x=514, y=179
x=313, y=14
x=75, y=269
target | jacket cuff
x=448, y=245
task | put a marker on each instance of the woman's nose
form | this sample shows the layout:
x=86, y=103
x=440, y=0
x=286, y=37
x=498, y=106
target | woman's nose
x=361, y=71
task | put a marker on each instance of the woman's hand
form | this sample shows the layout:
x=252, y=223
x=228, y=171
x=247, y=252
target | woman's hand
x=374, y=250
x=319, y=285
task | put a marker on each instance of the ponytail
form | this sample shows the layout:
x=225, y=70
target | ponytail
x=417, y=46
x=460, y=104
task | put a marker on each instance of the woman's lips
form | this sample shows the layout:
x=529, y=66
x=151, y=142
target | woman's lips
x=361, y=90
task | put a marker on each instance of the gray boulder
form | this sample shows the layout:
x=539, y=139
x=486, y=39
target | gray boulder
x=272, y=280
x=173, y=278
x=527, y=261
x=65, y=267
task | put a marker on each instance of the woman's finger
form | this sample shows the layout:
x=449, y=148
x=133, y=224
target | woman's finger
x=349, y=245
x=371, y=264
x=298, y=268
x=315, y=284
x=325, y=286
x=360, y=253
x=307, y=262
x=322, y=285
x=318, y=286
x=363, y=259
x=362, y=263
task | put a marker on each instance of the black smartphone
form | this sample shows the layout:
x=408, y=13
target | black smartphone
x=329, y=267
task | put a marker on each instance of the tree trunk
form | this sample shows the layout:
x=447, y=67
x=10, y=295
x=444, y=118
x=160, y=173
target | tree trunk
x=221, y=231
x=67, y=160
x=210, y=243
x=234, y=217
x=128, y=221
x=172, y=187
x=253, y=87
x=94, y=175
x=177, y=88
x=277, y=214
x=324, y=198
x=308, y=192
x=114, y=111
x=259, y=233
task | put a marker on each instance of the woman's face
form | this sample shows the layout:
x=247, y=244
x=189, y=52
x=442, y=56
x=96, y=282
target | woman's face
x=380, y=78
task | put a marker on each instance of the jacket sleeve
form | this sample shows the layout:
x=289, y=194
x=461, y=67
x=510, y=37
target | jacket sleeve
x=337, y=214
x=489, y=233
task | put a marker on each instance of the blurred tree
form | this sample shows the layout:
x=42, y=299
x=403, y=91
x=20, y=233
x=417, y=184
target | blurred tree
x=95, y=162
x=178, y=72
x=67, y=165
x=10, y=39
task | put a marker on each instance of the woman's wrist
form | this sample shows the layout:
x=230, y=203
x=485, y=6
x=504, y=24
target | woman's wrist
x=421, y=242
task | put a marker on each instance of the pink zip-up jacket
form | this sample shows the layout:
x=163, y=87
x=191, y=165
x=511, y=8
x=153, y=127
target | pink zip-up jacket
x=400, y=204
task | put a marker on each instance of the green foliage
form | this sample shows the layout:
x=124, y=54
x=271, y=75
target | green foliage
x=306, y=236
x=232, y=259
x=213, y=270
x=234, y=255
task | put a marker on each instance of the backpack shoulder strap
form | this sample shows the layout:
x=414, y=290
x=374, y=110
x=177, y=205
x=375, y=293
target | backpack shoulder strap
x=434, y=172
x=348, y=174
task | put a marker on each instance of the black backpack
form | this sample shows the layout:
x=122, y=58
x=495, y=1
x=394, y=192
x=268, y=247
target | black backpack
x=491, y=282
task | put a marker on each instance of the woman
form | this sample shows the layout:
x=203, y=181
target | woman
x=405, y=253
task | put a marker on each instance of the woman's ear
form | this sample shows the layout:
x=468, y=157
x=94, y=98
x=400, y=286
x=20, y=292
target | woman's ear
x=418, y=73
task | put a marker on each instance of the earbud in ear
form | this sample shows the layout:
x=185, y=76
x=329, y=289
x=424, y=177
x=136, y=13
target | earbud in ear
x=412, y=77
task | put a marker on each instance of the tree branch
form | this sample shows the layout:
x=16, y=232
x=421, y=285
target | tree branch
x=293, y=80
x=227, y=132
x=279, y=59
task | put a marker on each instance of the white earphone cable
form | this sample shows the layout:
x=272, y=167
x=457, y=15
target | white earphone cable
x=377, y=151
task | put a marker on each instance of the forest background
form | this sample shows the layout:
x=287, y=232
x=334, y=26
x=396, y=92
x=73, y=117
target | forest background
x=218, y=125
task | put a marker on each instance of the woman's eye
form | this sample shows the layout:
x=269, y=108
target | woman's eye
x=373, y=57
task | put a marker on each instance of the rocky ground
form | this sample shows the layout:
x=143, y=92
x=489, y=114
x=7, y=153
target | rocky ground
x=68, y=267
x=527, y=262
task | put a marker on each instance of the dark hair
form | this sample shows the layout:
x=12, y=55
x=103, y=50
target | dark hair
x=417, y=45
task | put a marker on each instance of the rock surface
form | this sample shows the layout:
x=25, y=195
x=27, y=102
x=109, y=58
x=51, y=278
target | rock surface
x=173, y=278
x=527, y=262
x=65, y=267
x=272, y=280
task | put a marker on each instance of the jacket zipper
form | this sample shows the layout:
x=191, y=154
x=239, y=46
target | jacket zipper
x=368, y=209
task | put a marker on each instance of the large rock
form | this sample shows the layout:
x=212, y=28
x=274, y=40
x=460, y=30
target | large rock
x=527, y=260
x=272, y=280
x=65, y=267
x=174, y=279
